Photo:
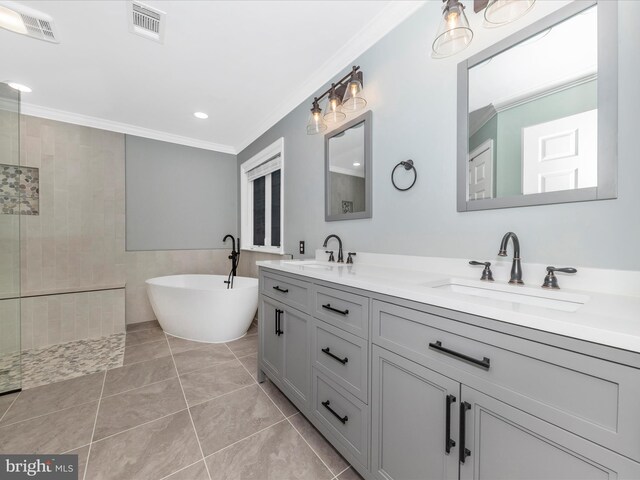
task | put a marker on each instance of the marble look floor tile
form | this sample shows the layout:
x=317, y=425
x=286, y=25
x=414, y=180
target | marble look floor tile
x=82, y=453
x=224, y=420
x=146, y=351
x=135, y=407
x=212, y=382
x=202, y=357
x=6, y=401
x=56, y=396
x=179, y=345
x=279, y=398
x=349, y=474
x=133, y=327
x=319, y=444
x=137, y=375
x=138, y=337
x=276, y=453
x=244, y=346
x=56, y=432
x=251, y=363
x=148, y=452
x=194, y=472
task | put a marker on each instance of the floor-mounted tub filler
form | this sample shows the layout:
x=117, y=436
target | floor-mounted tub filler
x=201, y=308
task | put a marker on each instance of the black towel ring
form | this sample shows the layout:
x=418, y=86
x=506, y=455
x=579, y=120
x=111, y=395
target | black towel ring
x=408, y=165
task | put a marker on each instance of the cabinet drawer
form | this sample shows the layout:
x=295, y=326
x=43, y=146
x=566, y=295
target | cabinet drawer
x=341, y=356
x=591, y=397
x=345, y=310
x=287, y=290
x=343, y=414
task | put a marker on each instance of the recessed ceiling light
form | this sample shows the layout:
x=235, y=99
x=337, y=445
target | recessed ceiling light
x=356, y=164
x=201, y=115
x=19, y=87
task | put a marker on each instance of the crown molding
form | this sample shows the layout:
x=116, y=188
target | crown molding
x=118, y=127
x=394, y=13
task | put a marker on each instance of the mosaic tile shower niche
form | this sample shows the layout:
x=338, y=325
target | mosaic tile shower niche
x=19, y=190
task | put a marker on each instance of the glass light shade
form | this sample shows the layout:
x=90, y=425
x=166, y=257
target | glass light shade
x=316, y=123
x=11, y=20
x=353, y=99
x=333, y=110
x=454, y=34
x=501, y=12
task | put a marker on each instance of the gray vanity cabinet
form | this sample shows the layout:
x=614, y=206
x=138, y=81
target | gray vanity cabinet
x=270, y=342
x=409, y=420
x=284, y=346
x=506, y=443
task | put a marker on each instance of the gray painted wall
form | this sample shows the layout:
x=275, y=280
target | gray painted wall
x=413, y=99
x=178, y=197
x=348, y=188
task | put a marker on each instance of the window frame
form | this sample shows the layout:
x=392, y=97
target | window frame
x=246, y=200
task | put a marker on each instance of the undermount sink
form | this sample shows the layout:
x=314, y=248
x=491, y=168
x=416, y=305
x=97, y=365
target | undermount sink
x=555, y=300
x=315, y=264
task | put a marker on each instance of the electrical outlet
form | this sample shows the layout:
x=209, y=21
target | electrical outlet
x=301, y=247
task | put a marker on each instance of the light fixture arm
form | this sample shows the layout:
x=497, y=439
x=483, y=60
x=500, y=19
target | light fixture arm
x=340, y=86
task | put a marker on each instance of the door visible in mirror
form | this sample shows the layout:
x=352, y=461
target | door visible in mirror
x=533, y=114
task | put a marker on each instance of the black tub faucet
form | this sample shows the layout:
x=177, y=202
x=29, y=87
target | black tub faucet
x=234, y=257
x=326, y=241
x=516, y=268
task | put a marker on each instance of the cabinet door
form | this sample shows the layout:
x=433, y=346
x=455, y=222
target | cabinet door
x=506, y=443
x=271, y=344
x=296, y=336
x=409, y=410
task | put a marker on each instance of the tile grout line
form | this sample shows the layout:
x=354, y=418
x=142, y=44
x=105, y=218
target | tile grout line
x=336, y=477
x=193, y=425
x=93, y=432
x=11, y=405
x=141, y=386
x=182, y=469
x=48, y=413
x=245, y=438
x=282, y=413
x=220, y=396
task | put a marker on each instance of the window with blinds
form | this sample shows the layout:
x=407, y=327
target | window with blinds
x=263, y=204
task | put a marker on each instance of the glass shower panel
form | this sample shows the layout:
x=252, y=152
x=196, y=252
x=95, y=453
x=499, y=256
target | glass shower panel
x=11, y=206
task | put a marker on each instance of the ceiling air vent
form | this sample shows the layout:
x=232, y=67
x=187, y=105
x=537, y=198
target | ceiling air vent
x=27, y=21
x=146, y=21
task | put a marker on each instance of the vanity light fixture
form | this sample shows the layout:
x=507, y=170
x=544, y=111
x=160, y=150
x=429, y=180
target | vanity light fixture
x=501, y=12
x=454, y=34
x=201, y=115
x=344, y=96
x=18, y=86
x=316, y=122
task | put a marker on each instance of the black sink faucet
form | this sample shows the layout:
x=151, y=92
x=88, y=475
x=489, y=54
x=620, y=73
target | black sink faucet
x=516, y=268
x=326, y=240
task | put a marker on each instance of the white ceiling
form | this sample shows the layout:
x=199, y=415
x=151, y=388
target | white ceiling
x=245, y=63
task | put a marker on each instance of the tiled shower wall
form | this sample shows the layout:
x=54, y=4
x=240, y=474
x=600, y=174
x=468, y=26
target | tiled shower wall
x=73, y=261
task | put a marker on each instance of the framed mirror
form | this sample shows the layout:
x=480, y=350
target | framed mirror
x=347, y=154
x=538, y=111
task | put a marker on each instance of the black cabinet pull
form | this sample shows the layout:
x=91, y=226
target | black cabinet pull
x=279, y=313
x=326, y=404
x=484, y=363
x=464, y=452
x=281, y=290
x=341, y=360
x=341, y=312
x=275, y=321
x=448, y=441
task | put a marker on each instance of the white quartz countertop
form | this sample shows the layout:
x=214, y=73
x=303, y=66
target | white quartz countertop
x=604, y=318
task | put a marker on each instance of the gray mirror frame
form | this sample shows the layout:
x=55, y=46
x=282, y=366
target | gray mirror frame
x=368, y=207
x=607, y=112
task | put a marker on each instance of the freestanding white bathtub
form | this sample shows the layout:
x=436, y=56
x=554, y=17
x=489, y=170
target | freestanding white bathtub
x=200, y=308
